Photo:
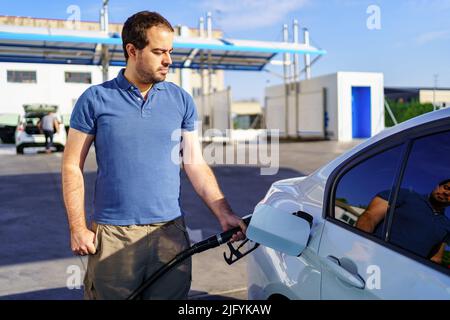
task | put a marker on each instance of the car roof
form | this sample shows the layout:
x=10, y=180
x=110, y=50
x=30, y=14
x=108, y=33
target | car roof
x=411, y=123
x=414, y=122
x=40, y=107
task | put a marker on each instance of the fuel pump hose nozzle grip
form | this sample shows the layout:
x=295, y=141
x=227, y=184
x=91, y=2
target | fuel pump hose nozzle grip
x=218, y=239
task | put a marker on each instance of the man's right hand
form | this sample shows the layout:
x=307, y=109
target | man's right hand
x=82, y=242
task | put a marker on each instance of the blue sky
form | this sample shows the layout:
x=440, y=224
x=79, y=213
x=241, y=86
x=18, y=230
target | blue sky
x=412, y=45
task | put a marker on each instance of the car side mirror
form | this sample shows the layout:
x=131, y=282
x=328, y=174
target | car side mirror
x=280, y=230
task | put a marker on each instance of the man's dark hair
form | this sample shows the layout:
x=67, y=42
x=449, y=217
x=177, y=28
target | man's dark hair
x=444, y=182
x=135, y=29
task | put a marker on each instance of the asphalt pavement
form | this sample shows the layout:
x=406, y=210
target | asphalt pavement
x=35, y=257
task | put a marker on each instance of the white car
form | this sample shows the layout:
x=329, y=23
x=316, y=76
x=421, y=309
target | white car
x=28, y=134
x=372, y=224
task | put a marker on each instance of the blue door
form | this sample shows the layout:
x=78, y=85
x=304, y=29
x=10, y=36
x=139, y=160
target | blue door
x=361, y=109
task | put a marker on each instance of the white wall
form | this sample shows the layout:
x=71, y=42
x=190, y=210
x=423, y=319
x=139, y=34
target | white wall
x=437, y=96
x=275, y=105
x=50, y=86
x=275, y=108
x=330, y=83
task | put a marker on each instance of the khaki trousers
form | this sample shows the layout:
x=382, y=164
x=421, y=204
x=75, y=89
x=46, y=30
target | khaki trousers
x=127, y=255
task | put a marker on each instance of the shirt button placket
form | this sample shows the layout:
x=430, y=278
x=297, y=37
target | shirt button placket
x=146, y=105
x=144, y=110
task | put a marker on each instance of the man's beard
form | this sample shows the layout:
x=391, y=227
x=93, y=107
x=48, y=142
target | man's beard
x=146, y=76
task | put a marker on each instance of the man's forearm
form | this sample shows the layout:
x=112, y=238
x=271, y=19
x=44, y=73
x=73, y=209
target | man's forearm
x=365, y=223
x=73, y=192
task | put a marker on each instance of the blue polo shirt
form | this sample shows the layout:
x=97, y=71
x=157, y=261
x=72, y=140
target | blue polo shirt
x=136, y=142
x=416, y=226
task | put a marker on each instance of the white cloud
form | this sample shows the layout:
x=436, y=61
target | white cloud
x=235, y=15
x=433, y=36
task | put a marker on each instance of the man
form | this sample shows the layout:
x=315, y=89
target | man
x=48, y=124
x=419, y=223
x=138, y=225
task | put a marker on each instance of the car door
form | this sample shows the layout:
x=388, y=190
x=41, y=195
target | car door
x=392, y=258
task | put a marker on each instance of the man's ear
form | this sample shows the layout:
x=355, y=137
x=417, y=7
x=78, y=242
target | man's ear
x=131, y=50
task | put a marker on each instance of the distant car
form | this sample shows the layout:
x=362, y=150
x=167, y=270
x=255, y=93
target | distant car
x=314, y=244
x=27, y=131
x=8, y=125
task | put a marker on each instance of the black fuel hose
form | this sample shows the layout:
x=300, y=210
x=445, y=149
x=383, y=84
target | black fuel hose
x=209, y=243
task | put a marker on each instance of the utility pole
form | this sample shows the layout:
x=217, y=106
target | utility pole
x=307, y=55
x=286, y=73
x=435, y=76
x=104, y=24
x=286, y=57
x=296, y=56
x=209, y=36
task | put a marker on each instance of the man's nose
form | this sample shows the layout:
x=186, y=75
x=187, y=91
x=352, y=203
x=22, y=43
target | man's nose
x=167, y=59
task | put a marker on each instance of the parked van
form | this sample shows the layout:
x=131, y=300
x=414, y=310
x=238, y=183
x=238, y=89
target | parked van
x=28, y=133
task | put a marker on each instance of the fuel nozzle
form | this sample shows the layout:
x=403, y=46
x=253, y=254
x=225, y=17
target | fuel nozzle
x=218, y=239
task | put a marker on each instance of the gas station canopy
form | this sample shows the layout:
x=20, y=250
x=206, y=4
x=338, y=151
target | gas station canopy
x=62, y=46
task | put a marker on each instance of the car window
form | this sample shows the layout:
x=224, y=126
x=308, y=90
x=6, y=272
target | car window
x=359, y=186
x=420, y=220
x=32, y=121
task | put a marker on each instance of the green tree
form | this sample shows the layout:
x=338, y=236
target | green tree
x=405, y=111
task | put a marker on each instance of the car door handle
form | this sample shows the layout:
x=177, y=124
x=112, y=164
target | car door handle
x=352, y=278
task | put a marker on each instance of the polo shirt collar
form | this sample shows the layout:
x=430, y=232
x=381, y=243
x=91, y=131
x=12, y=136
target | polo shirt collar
x=427, y=201
x=160, y=85
x=125, y=84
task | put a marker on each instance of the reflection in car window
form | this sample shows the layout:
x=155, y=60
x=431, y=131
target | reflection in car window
x=358, y=186
x=421, y=221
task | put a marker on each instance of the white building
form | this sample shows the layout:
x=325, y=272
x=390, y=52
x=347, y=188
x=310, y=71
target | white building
x=25, y=83
x=340, y=106
x=62, y=84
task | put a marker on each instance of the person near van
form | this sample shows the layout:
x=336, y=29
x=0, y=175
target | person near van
x=49, y=124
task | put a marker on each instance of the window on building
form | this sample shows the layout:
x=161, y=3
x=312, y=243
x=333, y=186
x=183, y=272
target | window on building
x=21, y=76
x=247, y=121
x=78, y=77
